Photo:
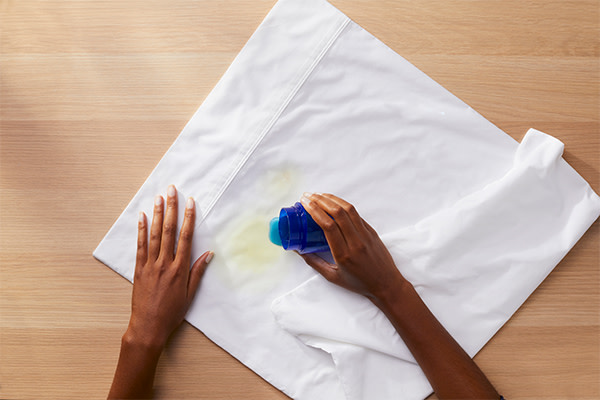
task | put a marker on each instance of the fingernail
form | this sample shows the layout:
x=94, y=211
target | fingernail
x=171, y=191
x=158, y=200
x=190, y=203
x=209, y=257
x=141, y=217
x=305, y=201
x=307, y=195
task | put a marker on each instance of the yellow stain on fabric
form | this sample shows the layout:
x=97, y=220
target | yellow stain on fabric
x=249, y=246
x=249, y=262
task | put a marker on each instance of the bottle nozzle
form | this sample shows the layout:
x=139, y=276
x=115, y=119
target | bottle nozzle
x=274, y=236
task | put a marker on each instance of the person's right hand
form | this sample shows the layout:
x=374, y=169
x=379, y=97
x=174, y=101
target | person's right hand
x=364, y=265
x=362, y=262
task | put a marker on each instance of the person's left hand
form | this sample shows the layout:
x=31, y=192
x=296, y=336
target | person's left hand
x=164, y=285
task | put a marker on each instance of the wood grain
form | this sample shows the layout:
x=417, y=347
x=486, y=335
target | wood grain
x=93, y=93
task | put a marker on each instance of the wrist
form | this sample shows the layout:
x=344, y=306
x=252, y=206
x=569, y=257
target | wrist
x=392, y=293
x=139, y=339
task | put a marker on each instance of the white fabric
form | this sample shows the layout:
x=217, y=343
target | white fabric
x=315, y=103
x=473, y=264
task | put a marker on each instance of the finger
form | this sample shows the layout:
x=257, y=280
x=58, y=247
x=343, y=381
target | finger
x=369, y=227
x=169, y=230
x=184, y=246
x=142, y=244
x=339, y=215
x=328, y=270
x=156, y=228
x=196, y=274
x=350, y=210
x=334, y=236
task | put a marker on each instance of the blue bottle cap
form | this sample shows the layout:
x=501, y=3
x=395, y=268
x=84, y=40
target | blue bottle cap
x=296, y=230
x=274, y=231
x=291, y=227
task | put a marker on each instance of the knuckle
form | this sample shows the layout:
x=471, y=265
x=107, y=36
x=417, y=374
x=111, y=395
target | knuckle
x=337, y=210
x=178, y=270
x=187, y=235
x=359, y=248
x=169, y=229
x=159, y=265
x=328, y=224
x=350, y=209
x=165, y=267
x=155, y=236
x=344, y=259
x=369, y=227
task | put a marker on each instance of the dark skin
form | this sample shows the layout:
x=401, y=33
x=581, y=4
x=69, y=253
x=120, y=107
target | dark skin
x=364, y=265
x=164, y=287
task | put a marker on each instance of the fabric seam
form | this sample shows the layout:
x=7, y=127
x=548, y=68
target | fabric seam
x=286, y=101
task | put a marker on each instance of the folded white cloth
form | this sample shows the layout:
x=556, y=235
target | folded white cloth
x=315, y=103
x=473, y=264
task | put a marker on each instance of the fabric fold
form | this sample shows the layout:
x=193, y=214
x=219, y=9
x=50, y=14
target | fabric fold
x=315, y=103
x=473, y=264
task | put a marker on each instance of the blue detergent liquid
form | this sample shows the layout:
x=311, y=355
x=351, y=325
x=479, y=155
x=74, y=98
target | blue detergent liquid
x=295, y=229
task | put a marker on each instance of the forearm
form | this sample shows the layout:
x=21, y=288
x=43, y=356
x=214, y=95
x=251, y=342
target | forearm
x=448, y=367
x=134, y=376
x=364, y=265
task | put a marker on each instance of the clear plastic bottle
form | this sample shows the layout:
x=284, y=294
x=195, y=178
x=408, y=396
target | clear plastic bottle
x=295, y=229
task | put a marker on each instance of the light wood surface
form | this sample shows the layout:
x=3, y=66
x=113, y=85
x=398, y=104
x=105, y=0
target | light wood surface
x=94, y=92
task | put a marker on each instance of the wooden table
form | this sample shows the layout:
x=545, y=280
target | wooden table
x=94, y=92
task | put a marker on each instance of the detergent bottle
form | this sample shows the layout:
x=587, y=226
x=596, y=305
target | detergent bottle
x=295, y=229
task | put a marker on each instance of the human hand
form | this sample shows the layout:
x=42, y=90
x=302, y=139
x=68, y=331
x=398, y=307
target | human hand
x=362, y=262
x=164, y=285
x=364, y=265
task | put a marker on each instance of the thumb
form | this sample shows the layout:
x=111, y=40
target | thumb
x=325, y=268
x=196, y=274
